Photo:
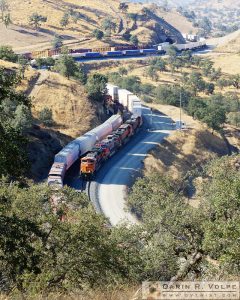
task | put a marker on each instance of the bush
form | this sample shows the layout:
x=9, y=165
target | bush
x=146, y=99
x=98, y=34
x=66, y=66
x=48, y=62
x=65, y=19
x=6, y=53
x=35, y=20
x=134, y=40
x=147, y=89
x=45, y=116
x=233, y=118
x=167, y=94
x=96, y=87
x=57, y=42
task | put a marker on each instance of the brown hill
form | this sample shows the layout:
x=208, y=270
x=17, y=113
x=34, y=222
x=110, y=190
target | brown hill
x=86, y=16
x=230, y=44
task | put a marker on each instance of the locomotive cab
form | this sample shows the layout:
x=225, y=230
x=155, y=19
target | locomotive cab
x=88, y=166
x=91, y=163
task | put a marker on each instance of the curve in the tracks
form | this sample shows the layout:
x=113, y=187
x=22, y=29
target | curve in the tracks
x=109, y=190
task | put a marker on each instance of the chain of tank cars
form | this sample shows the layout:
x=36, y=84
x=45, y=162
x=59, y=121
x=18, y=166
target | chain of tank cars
x=118, y=51
x=99, y=144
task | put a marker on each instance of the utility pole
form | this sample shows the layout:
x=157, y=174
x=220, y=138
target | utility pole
x=151, y=117
x=180, y=108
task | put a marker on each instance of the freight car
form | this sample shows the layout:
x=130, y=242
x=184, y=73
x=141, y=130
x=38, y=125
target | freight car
x=79, y=147
x=92, y=162
x=130, y=101
x=112, y=91
x=131, y=52
x=97, y=145
x=117, y=51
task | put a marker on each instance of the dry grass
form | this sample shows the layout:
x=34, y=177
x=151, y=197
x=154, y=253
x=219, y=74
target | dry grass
x=183, y=150
x=72, y=111
x=22, y=38
x=228, y=43
x=229, y=63
x=30, y=75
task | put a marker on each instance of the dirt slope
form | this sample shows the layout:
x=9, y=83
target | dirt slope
x=72, y=111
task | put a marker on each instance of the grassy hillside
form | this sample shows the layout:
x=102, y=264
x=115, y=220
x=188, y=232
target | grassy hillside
x=230, y=44
x=152, y=24
x=73, y=115
x=195, y=146
x=226, y=55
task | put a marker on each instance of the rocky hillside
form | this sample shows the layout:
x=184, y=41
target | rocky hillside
x=150, y=23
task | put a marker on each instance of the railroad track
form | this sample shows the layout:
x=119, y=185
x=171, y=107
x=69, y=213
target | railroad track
x=85, y=187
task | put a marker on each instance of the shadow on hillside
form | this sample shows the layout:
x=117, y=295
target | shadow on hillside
x=44, y=144
x=24, y=31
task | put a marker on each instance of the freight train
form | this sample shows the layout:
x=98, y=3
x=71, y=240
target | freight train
x=118, y=51
x=99, y=144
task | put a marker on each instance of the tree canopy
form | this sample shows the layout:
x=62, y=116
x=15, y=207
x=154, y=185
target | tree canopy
x=15, y=118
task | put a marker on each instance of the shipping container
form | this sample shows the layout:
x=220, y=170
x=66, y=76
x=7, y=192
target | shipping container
x=68, y=155
x=86, y=142
x=103, y=49
x=102, y=131
x=132, y=99
x=131, y=52
x=93, y=54
x=123, y=96
x=113, y=53
x=148, y=51
x=115, y=121
x=163, y=46
x=40, y=54
x=112, y=91
x=56, y=174
x=136, y=110
x=78, y=55
x=80, y=50
x=126, y=47
x=54, y=52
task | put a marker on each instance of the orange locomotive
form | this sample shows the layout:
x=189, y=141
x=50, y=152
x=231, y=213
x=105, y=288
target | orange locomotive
x=107, y=147
x=92, y=162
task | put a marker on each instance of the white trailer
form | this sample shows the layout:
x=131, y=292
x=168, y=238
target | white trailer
x=136, y=110
x=131, y=100
x=115, y=121
x=102, y=131
x=123, y=96
x=86, y=143
x=68, y=155
x=112, y=91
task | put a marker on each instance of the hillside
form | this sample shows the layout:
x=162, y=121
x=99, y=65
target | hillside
x=218, y=4
x=226, y=55
x=230, y=44
x=217, y=17
x=73, y=115
x=192, y=147
x=152, y=24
